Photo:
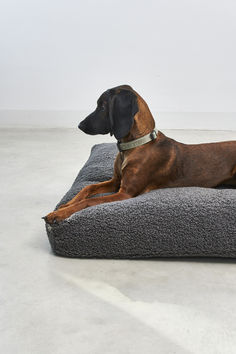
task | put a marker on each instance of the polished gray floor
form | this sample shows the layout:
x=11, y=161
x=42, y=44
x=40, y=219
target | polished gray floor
x=52, y=305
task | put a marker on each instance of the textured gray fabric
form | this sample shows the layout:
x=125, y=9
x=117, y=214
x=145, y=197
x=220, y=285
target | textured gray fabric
x=171, y=222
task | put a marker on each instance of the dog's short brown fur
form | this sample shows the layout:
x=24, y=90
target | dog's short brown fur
x=161, y=163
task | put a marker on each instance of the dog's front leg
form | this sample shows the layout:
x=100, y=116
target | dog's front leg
x=64, y=213
x=104, y=187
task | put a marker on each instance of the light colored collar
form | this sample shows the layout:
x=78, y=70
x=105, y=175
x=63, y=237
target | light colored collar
x=137, y=142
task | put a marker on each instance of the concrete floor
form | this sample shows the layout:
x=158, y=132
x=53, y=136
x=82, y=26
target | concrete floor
x=52, y=305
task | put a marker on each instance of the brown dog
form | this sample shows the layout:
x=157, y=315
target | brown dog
x=158, y=162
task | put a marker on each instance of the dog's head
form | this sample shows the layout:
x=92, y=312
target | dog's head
x=114, y=114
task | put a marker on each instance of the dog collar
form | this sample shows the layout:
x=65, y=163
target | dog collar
x=137, y=142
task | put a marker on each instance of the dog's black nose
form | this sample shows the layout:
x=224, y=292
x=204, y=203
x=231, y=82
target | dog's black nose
x=81, y=126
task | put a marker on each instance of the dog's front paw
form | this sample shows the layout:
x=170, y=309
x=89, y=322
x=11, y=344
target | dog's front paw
x=54, y=217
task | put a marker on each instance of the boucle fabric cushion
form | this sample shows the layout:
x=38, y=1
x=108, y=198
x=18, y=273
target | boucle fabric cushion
x=171, y=222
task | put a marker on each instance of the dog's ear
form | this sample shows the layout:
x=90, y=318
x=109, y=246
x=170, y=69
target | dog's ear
x=122, y=109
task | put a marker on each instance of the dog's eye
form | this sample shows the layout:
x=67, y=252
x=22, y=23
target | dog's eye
x=102, y=108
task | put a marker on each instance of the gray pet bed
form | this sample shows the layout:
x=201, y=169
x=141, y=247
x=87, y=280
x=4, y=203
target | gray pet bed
x=173, y=222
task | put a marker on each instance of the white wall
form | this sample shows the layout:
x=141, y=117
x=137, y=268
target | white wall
x=61, y=54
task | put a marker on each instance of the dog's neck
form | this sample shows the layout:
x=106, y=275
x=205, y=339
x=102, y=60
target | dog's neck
x=143, y=122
